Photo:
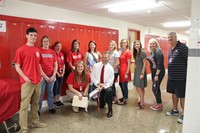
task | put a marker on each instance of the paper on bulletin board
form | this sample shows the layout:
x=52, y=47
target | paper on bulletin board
x=194, y=38
x=2, y=26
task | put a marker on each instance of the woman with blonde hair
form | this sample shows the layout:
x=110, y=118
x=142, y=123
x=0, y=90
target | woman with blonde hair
x=114, y=62
x=156, y=60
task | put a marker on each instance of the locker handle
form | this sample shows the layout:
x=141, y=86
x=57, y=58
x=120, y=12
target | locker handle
x=13, y=64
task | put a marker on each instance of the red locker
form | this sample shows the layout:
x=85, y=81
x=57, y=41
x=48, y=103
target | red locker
x=42, y=30
x=88, y=37
x=4, y=55
x=81, y=38
x=15, y=40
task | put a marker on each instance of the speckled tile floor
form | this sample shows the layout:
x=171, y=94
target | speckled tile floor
x=126, y=119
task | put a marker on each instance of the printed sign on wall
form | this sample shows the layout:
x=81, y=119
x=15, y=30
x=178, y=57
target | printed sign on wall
x=2, y=26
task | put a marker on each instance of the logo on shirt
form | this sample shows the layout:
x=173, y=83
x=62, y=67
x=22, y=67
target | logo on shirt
x=77, y=56
x=47, y=56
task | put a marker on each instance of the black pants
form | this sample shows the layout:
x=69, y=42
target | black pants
x=156, y=85
x=106, y=97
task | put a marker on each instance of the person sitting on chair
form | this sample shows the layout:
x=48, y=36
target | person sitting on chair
x=102, y=77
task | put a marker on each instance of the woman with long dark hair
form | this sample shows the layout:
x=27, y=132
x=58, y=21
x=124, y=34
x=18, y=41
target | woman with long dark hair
x=140, y=77
x=92, y=56
x=74, y=55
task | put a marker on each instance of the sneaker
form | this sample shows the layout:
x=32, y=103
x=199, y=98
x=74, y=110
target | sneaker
x=38, y=125
x=53, y=111
x=59, y=103
x=172, y=113
x=153, y=106
x=157, y=108
x=180, y=120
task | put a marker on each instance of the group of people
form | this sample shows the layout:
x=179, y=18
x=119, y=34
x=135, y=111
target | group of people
x=44, y=69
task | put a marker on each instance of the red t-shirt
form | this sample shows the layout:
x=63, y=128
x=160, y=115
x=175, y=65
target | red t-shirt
x=74, y=57
x=71, y=80
x=48, y=57
x=28, y=57
x=61, y=62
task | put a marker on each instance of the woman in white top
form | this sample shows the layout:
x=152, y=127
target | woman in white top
x=92, y=56
x=114, y=62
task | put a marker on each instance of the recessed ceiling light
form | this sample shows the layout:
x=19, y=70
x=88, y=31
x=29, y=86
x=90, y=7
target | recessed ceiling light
x=133, y=6
x=149, y=11
x=177, y=24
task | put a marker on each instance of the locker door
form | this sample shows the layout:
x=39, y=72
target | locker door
x=88, y=37
x=81, y=38
x=115, y=37
x=52, y=32
x=62, y=37
x=102, y=44
x=108, y=39
x=72, y=34
x=42, y=30
x=4, y=54
x=96, y=38
x=15, y=40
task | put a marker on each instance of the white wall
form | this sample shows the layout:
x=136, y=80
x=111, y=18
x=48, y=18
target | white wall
x=36, y=11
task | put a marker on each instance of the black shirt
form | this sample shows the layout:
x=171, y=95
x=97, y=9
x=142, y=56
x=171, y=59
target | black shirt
x=177, y=62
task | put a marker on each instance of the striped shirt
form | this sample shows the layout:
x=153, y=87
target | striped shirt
x=177, y=62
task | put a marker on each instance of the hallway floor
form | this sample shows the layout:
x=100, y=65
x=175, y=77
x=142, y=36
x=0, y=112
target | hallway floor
x=126, y=119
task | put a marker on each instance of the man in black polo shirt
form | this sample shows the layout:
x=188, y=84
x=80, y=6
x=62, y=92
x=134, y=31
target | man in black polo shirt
x=177, y=72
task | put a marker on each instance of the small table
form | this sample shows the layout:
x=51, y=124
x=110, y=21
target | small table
x=10, y=95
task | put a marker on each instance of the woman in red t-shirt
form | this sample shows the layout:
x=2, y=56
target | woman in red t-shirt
x=124, y=70
x=78, y=82
x=74, y=55
x=60, y=73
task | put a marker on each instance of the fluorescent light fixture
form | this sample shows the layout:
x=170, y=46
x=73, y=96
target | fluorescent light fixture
x=133, y=6
x=177, y=24
x=187, y=32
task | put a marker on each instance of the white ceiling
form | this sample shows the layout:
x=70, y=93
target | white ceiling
x=170, y=10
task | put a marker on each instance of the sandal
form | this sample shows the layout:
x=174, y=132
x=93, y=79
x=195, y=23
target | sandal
x=139, y=106
x=115, y=102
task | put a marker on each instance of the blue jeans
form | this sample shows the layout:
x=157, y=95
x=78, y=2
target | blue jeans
x=113, y=85
x=124, y=88
x=57, y=86
x=48, y=87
